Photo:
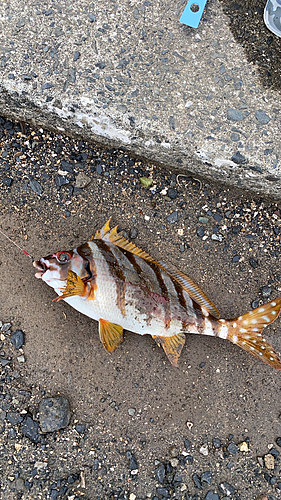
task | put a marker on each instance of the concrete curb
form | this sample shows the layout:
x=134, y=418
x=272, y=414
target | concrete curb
x=182, y=97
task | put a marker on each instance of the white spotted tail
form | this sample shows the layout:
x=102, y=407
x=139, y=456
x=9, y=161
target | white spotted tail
x=246, y=332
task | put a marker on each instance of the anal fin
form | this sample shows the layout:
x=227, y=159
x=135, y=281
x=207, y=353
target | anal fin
x=111, y=335
x=172, y=346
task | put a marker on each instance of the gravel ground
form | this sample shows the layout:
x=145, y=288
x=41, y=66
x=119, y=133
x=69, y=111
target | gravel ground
x=77, y=423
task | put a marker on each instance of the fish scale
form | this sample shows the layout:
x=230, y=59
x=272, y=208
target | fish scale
x=116, y=283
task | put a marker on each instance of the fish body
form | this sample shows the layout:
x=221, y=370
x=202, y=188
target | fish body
x=119, y=285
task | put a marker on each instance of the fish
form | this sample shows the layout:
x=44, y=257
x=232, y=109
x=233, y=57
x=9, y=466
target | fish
x=116, y=283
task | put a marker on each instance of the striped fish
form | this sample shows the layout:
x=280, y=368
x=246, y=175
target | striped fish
x=116, y=283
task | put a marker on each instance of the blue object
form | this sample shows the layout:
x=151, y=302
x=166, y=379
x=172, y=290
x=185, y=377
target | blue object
x=193, y=13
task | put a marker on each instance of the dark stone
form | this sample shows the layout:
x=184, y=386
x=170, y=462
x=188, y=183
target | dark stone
x=54, y=494
x=30, y=429
x=133, y=464
x=54, y=414
x=173, y=217
x=3, y=361
x=278, y=441
x=256, y=169
x=72, y=75
x=236, y=229
x=235, y=115
x=47, y=86
x=212, y=496
x=226, y=489
x=160, y=474
x=92, y=18
x=177, y=479
x=262, y=117
x=80, y=428
x=8, y=125
x=188, y=459
x=7, y=181
x=206, y=477
x=232, y=449
x=217, y=443
x=255, y=304
x=35, y=186
x=172, y=193
x=238, y=158
x=60, y=180
x=76, y=56
x=187, y=444
x=133, y=233
x=200, y=232
x=274, y=452
x=253, y=263
x=217, y=217
x=163, y=491
x=266, y=291
x=197, y=482
x=18, y=339
x=67, y=166
x=236, y=258
x=14, y=418
x=101, y=65
x=99, y=169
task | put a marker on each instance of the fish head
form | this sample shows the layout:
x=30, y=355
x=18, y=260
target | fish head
x=54, y=268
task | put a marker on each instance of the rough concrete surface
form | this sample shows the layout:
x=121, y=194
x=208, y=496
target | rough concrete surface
x=130, y=74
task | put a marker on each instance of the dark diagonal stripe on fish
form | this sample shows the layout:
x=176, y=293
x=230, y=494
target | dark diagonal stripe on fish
x=164, y=292
x=116, y=272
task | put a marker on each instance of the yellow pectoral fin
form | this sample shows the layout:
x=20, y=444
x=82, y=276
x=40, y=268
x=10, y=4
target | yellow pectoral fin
x=172, y=346
x=74, y=286
x=111, y=335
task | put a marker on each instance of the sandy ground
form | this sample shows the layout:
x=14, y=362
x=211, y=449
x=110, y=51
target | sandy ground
x=218, y=388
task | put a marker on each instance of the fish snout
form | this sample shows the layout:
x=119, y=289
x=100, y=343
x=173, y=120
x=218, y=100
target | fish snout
x=41, y=267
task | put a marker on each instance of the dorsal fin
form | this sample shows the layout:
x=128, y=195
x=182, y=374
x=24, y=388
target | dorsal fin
x=187, y=284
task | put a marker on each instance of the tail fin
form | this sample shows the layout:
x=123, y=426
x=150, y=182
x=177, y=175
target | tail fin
x=246, y=331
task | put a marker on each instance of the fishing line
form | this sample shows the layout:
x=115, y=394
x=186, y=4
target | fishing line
x=16, y=245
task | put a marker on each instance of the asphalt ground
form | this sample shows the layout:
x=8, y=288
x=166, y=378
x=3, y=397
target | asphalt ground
x=132, y=412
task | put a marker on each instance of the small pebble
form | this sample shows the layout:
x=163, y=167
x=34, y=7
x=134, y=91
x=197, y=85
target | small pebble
x=236, y=258
x=160, y=474
x=204, y=450
x=54, y=414
x=253, y=263
x=82, y=180
x=172, y=193
x=197, y=482
x=255, y=304
x=206, y=477
x=266, y=291
x=200, y=232
x=173, y=451
x=216, y=443
x=243, y=446
x=18, y=339
x=131, y=412
x=174, y=462
x=269, y=461
x=232, y=448
x=278, y=441
x=211, y=495
x=173, y=217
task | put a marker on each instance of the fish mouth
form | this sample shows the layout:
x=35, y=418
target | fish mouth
x=41, y=267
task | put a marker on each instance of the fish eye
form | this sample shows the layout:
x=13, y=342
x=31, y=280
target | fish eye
x=63, y=257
